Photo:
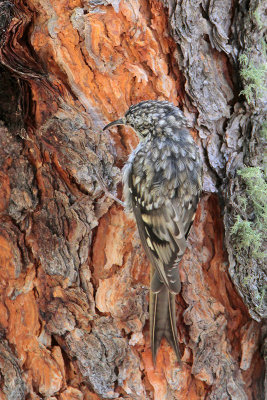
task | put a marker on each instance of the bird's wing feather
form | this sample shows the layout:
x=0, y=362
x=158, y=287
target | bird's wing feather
x=163, y=234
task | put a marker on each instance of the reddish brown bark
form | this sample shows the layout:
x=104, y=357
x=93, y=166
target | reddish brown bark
x=73, y=278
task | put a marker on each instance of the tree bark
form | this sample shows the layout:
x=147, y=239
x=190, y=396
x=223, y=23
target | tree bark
x=74, y=278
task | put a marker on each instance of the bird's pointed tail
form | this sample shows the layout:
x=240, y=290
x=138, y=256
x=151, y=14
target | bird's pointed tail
x=163, y=320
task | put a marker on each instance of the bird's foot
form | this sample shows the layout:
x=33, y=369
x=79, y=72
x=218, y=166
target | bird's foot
x=106, y=191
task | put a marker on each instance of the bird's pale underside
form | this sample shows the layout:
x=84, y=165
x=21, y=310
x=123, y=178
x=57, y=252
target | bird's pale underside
x=161, y=185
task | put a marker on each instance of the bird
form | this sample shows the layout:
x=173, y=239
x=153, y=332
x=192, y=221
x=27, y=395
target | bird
x=162, y=183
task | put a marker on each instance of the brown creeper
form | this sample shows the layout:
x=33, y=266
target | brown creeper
x=161, y=185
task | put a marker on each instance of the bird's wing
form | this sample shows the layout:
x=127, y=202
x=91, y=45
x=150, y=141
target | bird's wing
x=163, y=234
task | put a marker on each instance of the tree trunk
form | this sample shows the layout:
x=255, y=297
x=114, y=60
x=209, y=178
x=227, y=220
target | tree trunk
x=74, y=278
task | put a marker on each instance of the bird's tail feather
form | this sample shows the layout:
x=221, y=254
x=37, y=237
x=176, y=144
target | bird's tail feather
x=163, y=321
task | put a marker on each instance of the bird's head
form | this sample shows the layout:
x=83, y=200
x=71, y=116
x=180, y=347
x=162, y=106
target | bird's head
x=152, y=117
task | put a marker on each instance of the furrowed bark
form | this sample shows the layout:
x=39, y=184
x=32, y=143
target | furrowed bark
x=74, y=279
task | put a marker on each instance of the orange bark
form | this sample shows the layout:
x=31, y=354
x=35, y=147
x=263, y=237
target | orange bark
x=72, y=267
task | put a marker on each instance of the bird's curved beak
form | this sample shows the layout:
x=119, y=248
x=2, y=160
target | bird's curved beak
x=120, y=121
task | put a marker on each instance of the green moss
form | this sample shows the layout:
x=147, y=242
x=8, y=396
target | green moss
x=256, y=188
x=242, y=202
x=257, y=17
x=253, y=76
x=245, y=236
x=249, y=233
x=263, y=131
